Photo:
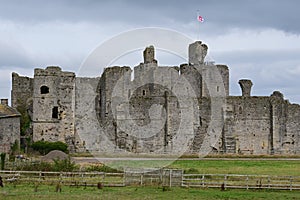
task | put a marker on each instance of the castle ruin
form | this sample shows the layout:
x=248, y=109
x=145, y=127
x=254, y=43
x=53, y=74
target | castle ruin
x=155, y=109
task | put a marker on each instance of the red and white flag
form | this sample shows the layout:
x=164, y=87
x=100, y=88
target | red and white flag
x=200, y=18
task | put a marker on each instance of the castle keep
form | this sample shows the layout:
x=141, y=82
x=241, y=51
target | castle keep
x=157, y=109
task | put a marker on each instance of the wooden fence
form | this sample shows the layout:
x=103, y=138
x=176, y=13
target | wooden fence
x=241, y=181
x=162, y=177
x=64, y=178
x=145, y=177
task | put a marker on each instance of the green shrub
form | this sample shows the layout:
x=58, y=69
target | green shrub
x=101, y=168
x=57, y=166
x=191, y=171
x=65, y=165
x=45, y=147
x=15, y=147
x=35, y=166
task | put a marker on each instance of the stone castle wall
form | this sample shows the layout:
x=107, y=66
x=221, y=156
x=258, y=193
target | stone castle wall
x=22, y=91
x=87, y=125
x=291, y=142
x=174, y=104
x=10, y=133
x=247, y=125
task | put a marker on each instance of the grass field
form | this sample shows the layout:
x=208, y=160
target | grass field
x=48, y=192
x=246, y=167
x=257, y=167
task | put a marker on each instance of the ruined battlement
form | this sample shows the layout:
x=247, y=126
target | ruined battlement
x=149, y=55
x=277, y=94
x=111, y=71
x=52, y=71
x=21, y=81
x=22, y=91
x=197, y=53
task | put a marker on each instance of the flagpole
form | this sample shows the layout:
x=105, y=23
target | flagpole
x=198, y=35
x=200, y=19
x=198, y=30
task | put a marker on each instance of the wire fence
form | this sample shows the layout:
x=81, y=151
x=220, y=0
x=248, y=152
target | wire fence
x=160, y=177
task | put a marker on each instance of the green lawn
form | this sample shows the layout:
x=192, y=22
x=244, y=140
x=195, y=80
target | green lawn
x=257, y=167
x=48, y=192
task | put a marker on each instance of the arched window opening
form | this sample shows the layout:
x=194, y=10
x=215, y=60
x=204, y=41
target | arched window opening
x=44, y=90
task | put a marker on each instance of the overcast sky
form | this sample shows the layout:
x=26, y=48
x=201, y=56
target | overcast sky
x=257, y=39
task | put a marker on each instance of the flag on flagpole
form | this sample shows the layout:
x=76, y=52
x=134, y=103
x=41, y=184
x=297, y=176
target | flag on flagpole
x=200, y=18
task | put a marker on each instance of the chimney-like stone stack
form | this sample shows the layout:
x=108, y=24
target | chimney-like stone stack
x=4, y=102
x=246, y=87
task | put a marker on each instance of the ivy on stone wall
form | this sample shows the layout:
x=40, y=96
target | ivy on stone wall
x=25, y=119
x=45, y=147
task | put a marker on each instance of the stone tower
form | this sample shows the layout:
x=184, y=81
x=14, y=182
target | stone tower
x=53, y=105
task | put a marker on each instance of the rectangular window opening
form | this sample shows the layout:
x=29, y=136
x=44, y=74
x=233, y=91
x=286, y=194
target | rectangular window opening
x=55, y=112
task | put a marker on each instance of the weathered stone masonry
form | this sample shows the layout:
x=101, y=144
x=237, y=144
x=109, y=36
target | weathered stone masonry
x=67, y=108
x=9, y=127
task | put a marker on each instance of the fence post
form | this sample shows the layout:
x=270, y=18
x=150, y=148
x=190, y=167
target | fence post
x=291, y=183
x=247, y=185
x=124, y=182
x=269, y=180
x=170, y=177
x=60, y=177
x=40, y=176
x=203, y=180
x=225, y=179
x=181, y=179
x=142, y=179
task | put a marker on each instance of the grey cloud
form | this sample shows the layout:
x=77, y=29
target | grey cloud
x=259, y=57
x=268, y=70
x=13, y=55
x=227, y=14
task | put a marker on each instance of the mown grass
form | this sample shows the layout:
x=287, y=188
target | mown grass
x=284, y=156
x=9, y=192
x=247, y=167
x=198, y=166
x=256, y=167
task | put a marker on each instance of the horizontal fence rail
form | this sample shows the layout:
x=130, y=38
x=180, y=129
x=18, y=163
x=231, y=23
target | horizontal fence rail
x=64, y=178
x=162, y=177
x=241, y=181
